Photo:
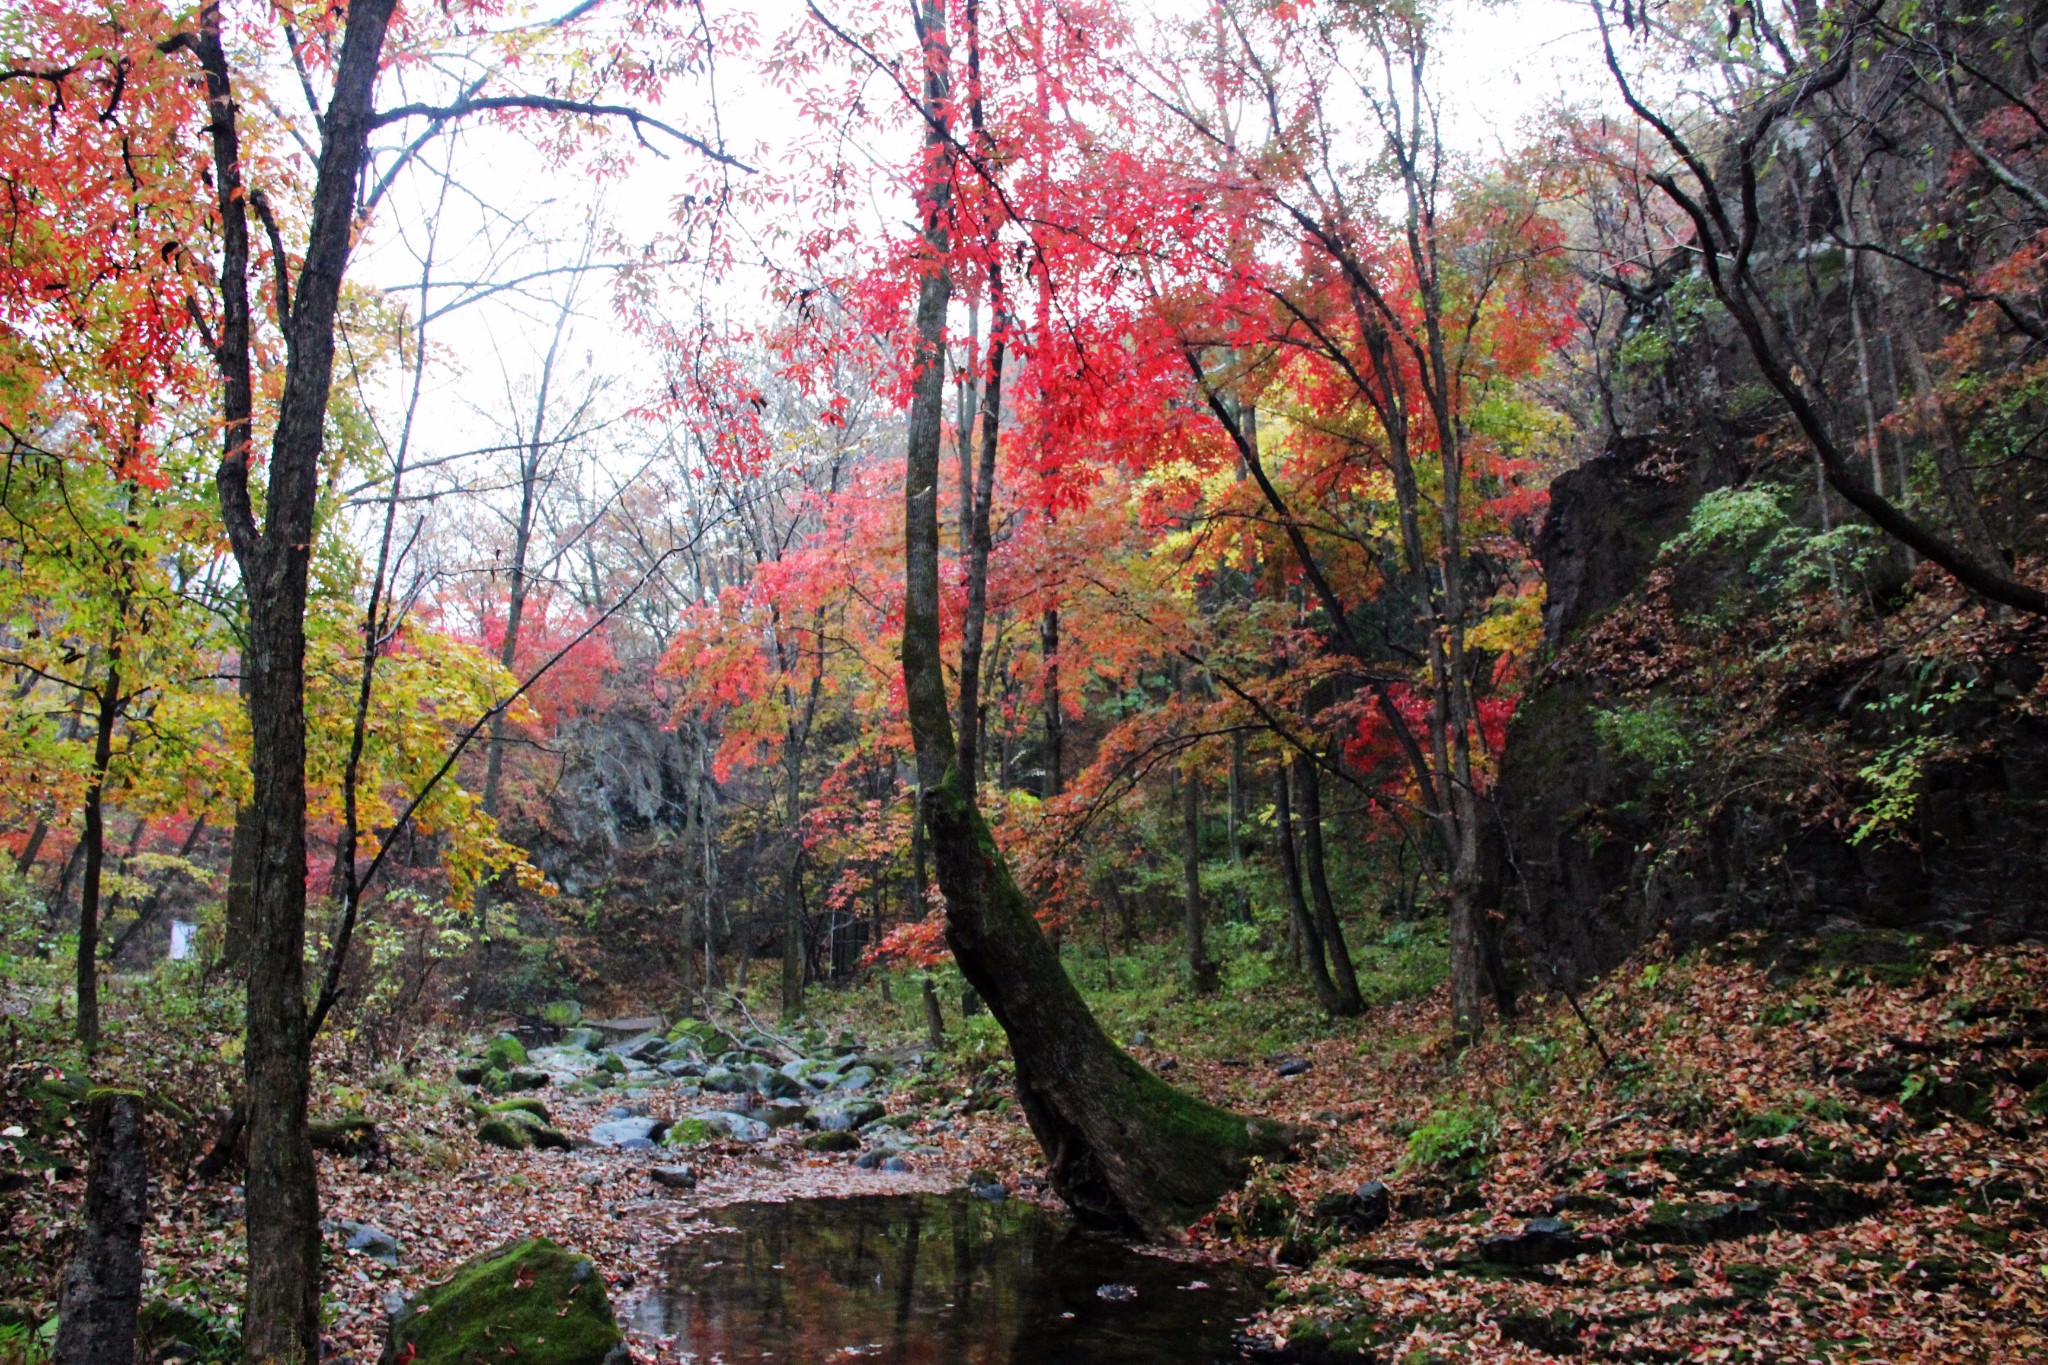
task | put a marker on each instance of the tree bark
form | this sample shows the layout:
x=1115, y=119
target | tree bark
x=1123, y=1148
x=1304, y=924
x=281, y=1314
x=1055, y=721
x=1202, y=972
x=1328, y=930
x=102, y=1291
x=95, y=840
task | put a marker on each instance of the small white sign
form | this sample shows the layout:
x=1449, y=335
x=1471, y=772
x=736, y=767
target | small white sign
x=182, y=935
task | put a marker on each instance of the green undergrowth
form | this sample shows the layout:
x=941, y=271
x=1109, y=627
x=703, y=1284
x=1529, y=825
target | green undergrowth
x=1263, y=1004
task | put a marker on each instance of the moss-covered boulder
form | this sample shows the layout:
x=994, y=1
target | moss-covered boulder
x=562, y=1013
x=521, y=1104
x=503, y=1131
x=505, y=1052
x=517, y=1079
x=531, y=1301
x=518, y=1129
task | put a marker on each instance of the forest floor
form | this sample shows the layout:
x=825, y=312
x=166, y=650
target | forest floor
x=1830, y=1150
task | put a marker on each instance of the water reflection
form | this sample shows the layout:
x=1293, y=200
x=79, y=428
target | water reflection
x=935, y=1280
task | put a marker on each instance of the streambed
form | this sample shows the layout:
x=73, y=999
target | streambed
x=935, y=1279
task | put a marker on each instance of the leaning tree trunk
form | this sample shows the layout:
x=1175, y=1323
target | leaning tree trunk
x=1123, y=1148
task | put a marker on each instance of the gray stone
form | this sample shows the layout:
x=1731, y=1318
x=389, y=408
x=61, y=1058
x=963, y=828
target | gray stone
x=370, y=1240
x=674, y=1177
x=618, y=1132
x=626, y=1028
x=681, y=1067
x=738, y=1127
x=895, y=1164
x=857, y=1079
x=1293, y=1066
x=780, y=1114
x=844, y=1116
x=645, y=1047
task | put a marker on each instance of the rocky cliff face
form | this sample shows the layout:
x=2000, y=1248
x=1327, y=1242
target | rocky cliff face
x=1753, y=814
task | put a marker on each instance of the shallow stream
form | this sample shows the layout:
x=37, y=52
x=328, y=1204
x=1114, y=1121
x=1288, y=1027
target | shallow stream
x=936, y=1280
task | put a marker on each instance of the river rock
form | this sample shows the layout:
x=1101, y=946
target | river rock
x=738, y=1127
x=627, y=1028
x=518, y=1129
x=518, y=1078
x=521, y=1104
x=365, y=1238
x=645, y=1047
x=674, y=1177
x=531, y=1298
x=780, y=1114
x=839, y=1140
x=633, y=1128
x=843, y=1116
x=681, y=1067
x=856, y=1079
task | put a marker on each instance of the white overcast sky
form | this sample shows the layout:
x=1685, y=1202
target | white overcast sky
x=1498, y=66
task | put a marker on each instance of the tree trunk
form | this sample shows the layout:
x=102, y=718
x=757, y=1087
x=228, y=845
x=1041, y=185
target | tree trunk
x=1202, y=972
x=32, y=846
x=1331, y=933
x=1055, y=722
x=95, y=840
x=281, y=1314
x=934, y=1018
x=793, y=935
x=1303, y=923
x=102, y=1290
x=1123, y=1148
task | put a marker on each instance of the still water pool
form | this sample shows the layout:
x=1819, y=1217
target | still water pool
x=936, y=1280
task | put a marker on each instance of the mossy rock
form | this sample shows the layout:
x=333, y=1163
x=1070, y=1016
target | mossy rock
x=505, y=1052
x=521, y=1104
x=529, y=1300
x=349, y=1135
x=562, y=1013
x=831, y=1142
x=518, y=1078
x=687, y=1133
x=506, y=1132
x=539, y=1133
x=612, y=1062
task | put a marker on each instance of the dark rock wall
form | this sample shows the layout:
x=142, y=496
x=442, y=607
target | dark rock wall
x=1585, y=867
